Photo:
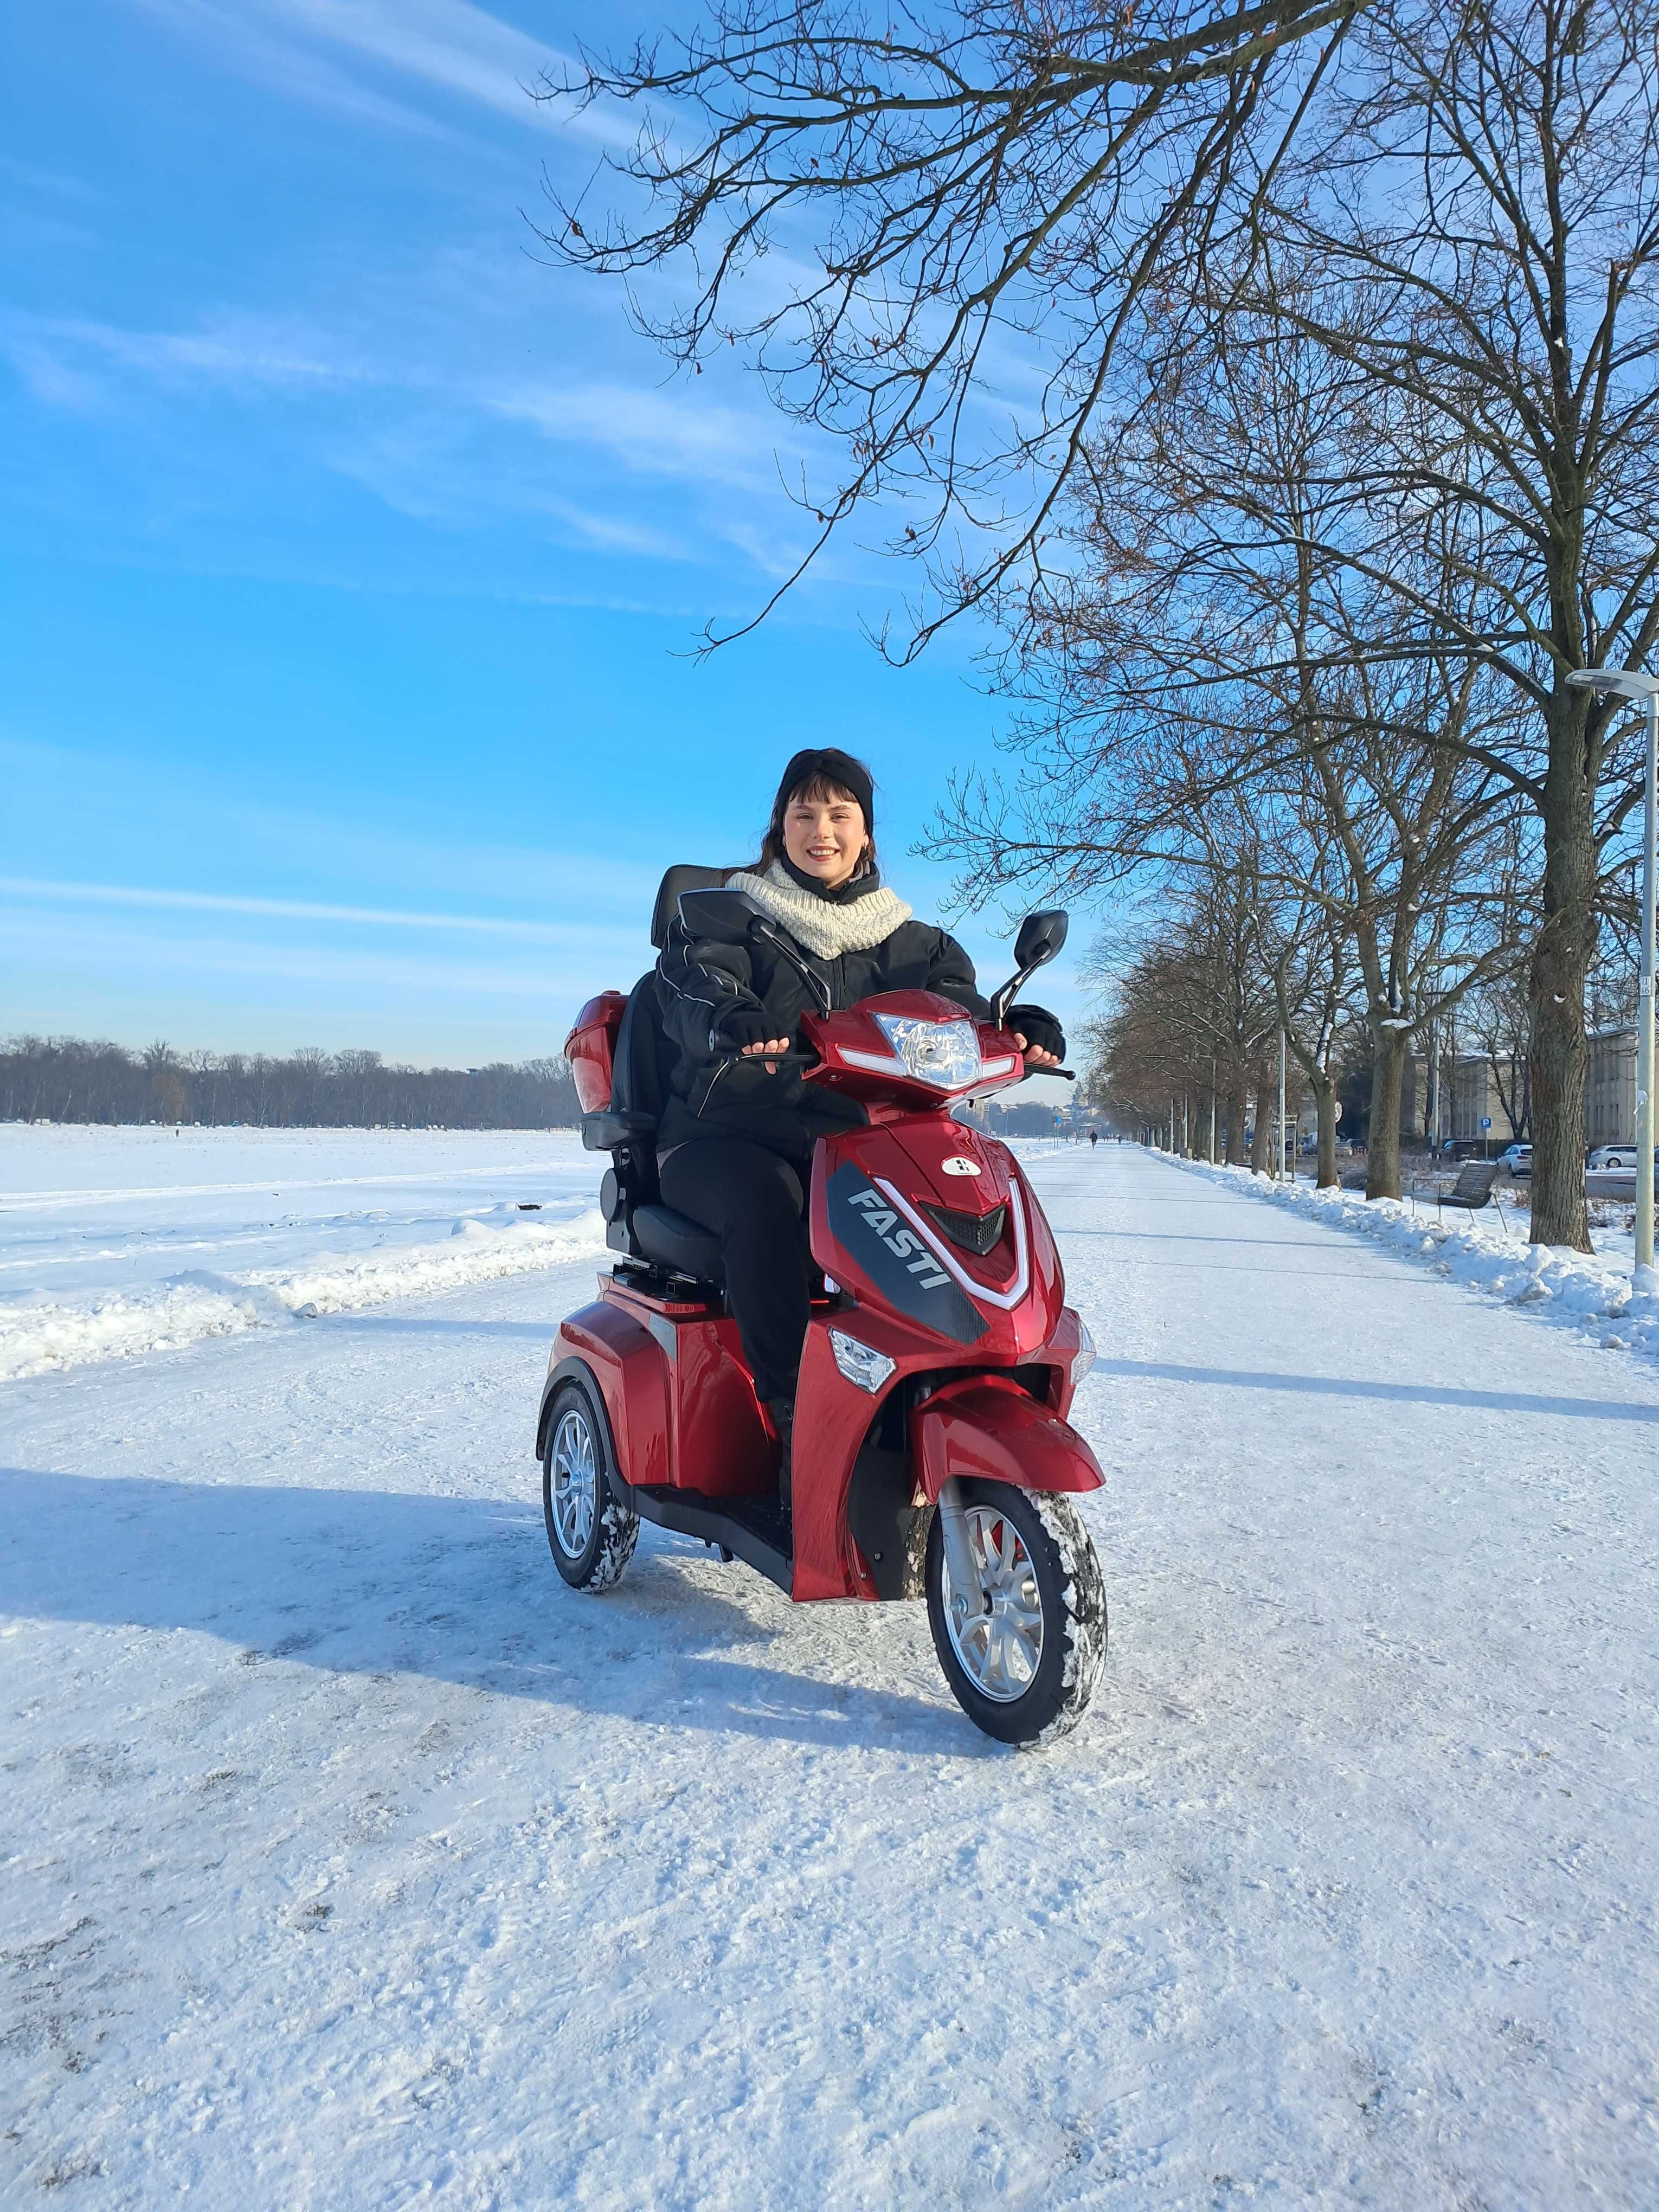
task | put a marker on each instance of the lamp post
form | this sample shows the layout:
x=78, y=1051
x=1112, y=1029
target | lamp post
x=1630, y=684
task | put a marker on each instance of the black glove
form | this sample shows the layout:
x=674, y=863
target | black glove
x=742, y=1025
x=1038, y=1028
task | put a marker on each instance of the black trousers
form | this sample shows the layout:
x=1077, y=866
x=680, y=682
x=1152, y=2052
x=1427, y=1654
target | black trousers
x=754, y=1201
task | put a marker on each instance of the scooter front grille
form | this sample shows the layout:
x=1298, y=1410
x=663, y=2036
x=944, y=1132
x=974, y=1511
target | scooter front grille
x=975, y=1232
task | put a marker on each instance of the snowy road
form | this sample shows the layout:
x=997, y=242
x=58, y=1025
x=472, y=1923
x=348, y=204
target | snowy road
x=350, y=1861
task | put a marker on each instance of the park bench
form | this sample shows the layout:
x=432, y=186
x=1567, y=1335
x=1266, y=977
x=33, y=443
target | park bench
x=1476, y=1186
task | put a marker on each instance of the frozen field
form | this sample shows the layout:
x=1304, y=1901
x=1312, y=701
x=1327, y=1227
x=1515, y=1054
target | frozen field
x=349, y=1860
x=115, y=1242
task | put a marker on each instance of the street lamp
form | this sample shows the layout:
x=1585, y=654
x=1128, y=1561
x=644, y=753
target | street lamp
x=1630, y=684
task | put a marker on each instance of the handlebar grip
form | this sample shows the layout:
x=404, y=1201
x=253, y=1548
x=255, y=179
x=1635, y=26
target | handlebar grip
x=791, y=1059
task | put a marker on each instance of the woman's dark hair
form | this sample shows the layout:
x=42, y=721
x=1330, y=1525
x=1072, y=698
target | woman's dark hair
x=821, y=772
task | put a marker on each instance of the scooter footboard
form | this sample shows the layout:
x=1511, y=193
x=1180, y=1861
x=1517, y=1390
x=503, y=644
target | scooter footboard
x=985, y=1429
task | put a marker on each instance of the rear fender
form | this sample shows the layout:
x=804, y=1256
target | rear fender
x=627, y=1365
x=987, y=1429
x=579, y=1372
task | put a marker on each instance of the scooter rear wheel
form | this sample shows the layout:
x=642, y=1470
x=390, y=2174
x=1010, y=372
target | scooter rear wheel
x=1024, y=1653
x=591, y=1536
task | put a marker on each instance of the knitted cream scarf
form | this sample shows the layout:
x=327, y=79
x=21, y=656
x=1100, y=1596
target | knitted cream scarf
x=821, y=925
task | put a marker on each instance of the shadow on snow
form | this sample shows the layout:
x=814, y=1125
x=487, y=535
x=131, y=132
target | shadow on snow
x=457, y=1589
x=1393, y=1394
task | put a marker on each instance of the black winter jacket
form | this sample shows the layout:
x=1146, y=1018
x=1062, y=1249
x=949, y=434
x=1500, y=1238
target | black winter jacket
x=714, y=1096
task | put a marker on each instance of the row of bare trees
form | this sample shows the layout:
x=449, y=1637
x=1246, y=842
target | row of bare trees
x=1202, y=991
x=1281, y=384
x=73, y=1079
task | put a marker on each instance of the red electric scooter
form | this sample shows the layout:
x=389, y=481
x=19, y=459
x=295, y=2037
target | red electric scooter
x=931, y=1453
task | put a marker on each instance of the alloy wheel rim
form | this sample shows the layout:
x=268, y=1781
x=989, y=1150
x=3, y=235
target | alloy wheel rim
x=996, y=1631
x=575, y=1485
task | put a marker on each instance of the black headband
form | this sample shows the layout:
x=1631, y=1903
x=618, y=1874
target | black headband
x=835, y=767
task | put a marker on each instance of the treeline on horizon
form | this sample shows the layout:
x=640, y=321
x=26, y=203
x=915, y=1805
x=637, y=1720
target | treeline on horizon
x=81, y=1080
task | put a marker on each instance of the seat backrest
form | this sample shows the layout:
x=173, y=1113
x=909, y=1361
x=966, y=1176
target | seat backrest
x=1474, y=1181
x=643, y=1059
x=676, y=880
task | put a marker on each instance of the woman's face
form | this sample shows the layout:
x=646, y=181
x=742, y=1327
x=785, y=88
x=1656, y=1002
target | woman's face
x=824, y=838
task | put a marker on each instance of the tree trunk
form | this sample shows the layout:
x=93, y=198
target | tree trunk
x=1560, y=1055
x=1234, y=1129
x=1260, y=1132
x=1382, y=1139
x=1325, y=1099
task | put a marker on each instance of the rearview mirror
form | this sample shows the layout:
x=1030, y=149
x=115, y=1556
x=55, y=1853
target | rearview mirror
x=724, y=917
x=1041, y=936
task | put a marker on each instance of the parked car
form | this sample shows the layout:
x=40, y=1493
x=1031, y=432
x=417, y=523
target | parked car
x=1616, y=1156
x=1516, y=1158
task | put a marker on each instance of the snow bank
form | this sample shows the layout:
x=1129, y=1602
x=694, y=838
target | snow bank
x=40, y=1334
x=1575, y=1288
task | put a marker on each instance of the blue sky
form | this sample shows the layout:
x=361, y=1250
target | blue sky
x=352, y=554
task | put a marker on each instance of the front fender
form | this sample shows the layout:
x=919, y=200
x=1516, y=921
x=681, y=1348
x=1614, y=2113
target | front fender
x=988, y=1430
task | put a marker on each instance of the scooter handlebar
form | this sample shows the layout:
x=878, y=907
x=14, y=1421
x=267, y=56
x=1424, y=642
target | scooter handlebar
x=791, y=1059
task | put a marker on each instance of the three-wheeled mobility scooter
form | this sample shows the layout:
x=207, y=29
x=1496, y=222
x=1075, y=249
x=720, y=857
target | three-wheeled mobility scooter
x=932, y=1452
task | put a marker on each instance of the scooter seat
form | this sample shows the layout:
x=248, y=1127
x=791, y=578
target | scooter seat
x=672, y=1241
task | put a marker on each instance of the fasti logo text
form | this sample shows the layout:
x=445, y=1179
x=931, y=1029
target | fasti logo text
x=900, y=1242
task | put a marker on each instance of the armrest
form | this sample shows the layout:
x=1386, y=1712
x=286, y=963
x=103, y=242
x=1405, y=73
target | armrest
x=605, y=1131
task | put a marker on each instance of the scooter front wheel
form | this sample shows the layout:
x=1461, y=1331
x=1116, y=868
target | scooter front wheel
x=1023, y=1649
x=591, y=1538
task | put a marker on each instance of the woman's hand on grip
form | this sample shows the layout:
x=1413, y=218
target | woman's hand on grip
x=1038, y=1035
x=745, y=1027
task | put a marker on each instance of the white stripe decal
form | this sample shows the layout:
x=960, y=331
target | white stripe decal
x=1008, y=1299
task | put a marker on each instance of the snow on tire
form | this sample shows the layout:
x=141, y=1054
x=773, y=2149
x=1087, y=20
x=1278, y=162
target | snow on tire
x=591, y=1536
x=1024, y=1657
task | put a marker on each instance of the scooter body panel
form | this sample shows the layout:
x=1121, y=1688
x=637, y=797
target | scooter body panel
x=680, y=1401
x=873, y=1233
x=629, y=1367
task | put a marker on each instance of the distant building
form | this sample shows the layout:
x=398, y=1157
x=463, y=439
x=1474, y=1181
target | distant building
x=1478, y=1094
x=1480, y=1090
x=1610, y=1090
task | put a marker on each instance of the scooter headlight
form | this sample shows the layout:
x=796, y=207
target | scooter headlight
x=1083, y=1357
x=860, y=1363
x=944, y=1053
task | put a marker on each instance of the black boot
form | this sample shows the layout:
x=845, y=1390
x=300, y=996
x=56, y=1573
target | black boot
x=782, y=1411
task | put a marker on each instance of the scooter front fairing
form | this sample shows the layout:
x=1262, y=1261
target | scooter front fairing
x=941, y=1260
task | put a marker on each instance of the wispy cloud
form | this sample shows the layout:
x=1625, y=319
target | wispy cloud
x=463, y=50
x=237, y=350
x=111, y=952
x=420, y=459
x=132, y=894
x=278, y=62
x=653, y=432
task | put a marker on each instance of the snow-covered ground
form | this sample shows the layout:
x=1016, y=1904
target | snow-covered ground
x=114, y=1242
x=350, y=1861
x=1597, y=1293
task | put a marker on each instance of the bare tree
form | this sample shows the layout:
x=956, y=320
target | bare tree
x=881, y=204
x=1211, y=681
x=1488, y=179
